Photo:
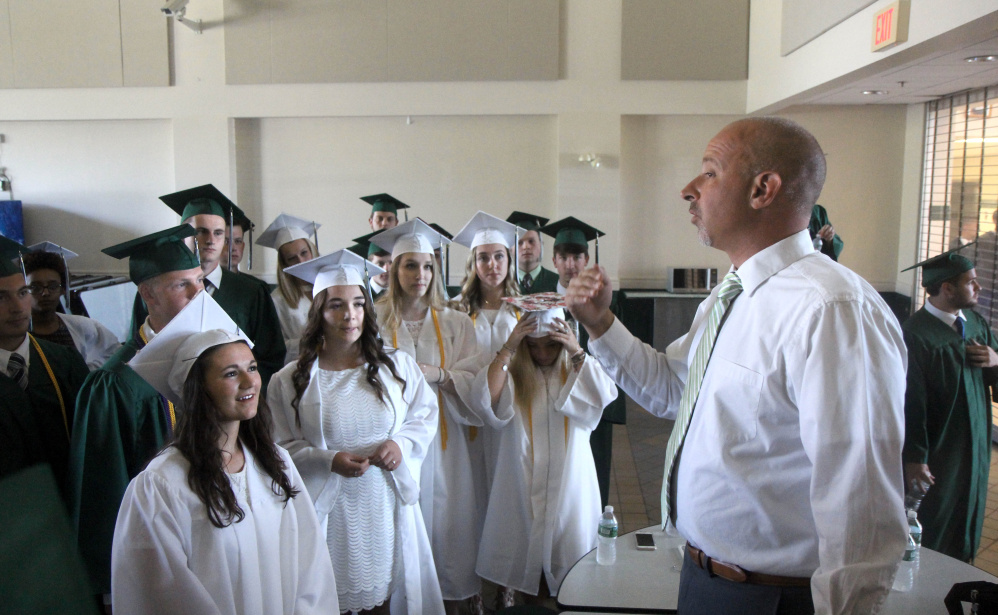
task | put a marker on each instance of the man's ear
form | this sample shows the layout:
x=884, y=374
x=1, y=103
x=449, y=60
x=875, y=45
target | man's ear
x=765, y=187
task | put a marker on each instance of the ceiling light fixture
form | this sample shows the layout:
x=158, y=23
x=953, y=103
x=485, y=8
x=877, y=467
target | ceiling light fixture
x=986, y=58
x=874, y=92
x=592, y=160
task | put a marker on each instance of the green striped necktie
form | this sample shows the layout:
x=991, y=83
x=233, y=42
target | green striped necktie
x=730, y=287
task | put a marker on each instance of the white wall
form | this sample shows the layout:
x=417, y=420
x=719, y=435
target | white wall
x=89, y=185
x=864, y=147
x=445, y=168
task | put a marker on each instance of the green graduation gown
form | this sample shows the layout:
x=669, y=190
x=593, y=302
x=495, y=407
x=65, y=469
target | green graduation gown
x=819, y=218
x=247, y=302
x=546, y=282
x=948, y=426
x=37, y=414
x=41, y=571
x=121, y=423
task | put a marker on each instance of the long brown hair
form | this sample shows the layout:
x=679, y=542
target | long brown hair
x=291, y=288
x=471, y=287
x=372, y=348
x=197, y=435
x=522, y=369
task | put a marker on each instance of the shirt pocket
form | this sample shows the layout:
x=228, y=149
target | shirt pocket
x=734, y=393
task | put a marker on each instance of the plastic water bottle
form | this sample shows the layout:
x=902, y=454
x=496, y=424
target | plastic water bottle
x=915, y=529
x=606, y=548
x=816, y=242
x=904, y=580
x=916, y=493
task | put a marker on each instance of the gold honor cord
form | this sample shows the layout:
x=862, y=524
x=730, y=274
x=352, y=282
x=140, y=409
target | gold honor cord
x=55, y=384
x=530, y=417
x=440, y=399
x=169, y=404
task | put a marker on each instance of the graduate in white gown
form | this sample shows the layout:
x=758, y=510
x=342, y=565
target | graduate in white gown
x=357, y=420
x=289, y=235
x=544, y=506
x=413, y=318
x=220, y=521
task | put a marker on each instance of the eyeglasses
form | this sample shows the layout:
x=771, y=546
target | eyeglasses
x=41, y=289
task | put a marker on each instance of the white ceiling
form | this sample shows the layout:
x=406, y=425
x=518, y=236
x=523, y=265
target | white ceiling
x=936, y=73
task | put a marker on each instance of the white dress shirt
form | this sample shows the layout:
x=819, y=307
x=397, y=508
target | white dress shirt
x=792, y=461
x=23, y=350
x=946, y=317
x=215, y=277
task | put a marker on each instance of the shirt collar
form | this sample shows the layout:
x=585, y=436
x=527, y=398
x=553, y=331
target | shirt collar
x=533, y=274
x=946, y=317
x=561, y=289
x=21, y=350
x=147, y=331
x=215, y=277
x=768, y=262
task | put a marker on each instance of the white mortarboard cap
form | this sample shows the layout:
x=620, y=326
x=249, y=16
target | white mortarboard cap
x=48, y=246
x=341, y=268
x=413, y=236
x=167, y=359
x=485, y=228
x=546, y=306
x=285, y=229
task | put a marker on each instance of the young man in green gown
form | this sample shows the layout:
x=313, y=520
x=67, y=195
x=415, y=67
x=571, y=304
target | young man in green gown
x=951, y=360
x=532, y=277
x=121, y=421
x=39, y=380
x=246, y=300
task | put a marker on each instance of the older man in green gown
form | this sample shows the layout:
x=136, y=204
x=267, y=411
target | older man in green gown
x=951, y=359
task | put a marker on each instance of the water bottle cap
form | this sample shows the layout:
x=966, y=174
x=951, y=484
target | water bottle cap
x=912, y=515
x=608, y=509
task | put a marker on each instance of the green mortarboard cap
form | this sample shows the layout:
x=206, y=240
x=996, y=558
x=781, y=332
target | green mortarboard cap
x=530, y=222
x=571, y=231
x=384, y=202
x=206, y=199
x=241, y=219
x=364, y=247
x=10, y=257
x=943, y=266
x=157, y=253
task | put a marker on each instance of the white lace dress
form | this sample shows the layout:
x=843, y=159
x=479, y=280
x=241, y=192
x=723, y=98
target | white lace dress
x=361, y=532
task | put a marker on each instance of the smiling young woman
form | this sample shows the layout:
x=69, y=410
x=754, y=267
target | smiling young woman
x=199, y=528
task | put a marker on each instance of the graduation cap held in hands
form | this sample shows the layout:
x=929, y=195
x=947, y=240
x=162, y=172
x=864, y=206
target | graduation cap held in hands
x=167, y=359
x=943, y=266
x=157, y=253
x=546, y=307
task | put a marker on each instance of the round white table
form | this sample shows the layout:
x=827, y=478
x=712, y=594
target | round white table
x=648, y=581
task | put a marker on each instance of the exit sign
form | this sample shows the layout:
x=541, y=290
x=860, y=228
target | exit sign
x=890, y=25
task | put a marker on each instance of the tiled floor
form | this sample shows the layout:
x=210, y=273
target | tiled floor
x=636, y=484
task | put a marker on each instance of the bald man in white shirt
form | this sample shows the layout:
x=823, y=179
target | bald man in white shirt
x=788, y=484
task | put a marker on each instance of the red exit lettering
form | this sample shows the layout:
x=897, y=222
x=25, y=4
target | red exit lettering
x=884, y=26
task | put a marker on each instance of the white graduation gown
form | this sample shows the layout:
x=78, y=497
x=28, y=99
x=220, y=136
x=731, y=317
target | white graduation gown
x=415, y=426
x=449, y=499
x=92, y=339
x=169, y=558
x=292, y=321
x=544, y=507
x=490, y=337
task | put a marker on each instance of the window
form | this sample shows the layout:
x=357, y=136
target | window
x=960, y=186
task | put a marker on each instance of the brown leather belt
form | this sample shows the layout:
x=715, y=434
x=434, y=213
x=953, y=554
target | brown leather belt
x=739, y=575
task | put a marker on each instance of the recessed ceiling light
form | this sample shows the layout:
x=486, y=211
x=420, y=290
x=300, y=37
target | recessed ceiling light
x=874, y=92
x=988, y=58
